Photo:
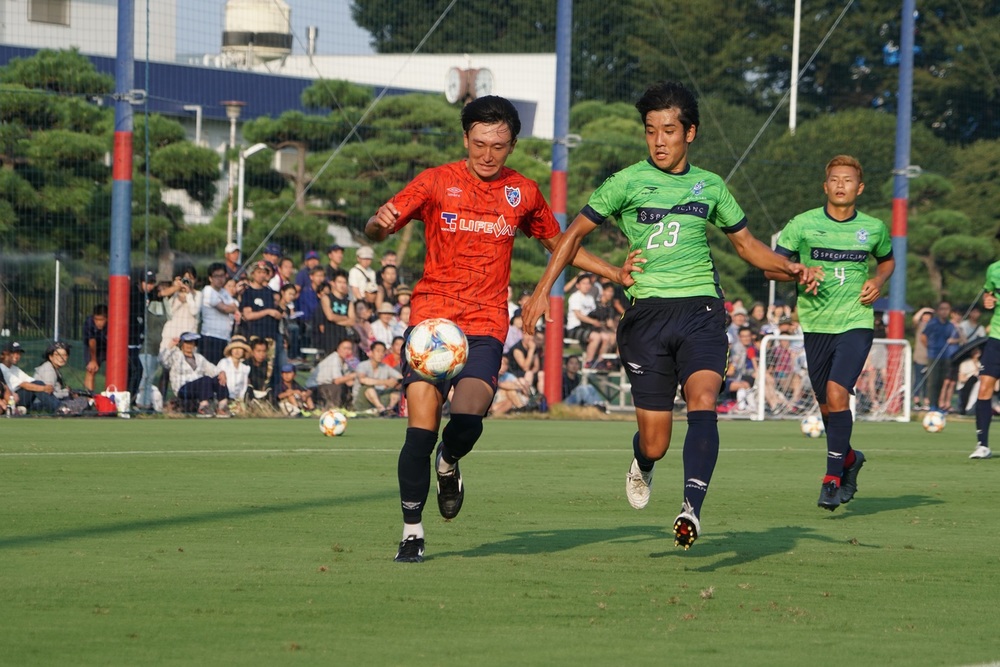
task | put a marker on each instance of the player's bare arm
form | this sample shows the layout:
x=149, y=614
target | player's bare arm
x=989, y=300
x=872, y=289
x=380, y=225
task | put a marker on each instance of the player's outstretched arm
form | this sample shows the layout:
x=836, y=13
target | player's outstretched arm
x=774, y=266
x=563, y=247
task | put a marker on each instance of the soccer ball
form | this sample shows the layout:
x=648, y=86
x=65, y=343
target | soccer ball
x=437, y=349
x=812, y=426
x=332, y=423
x=934, y=422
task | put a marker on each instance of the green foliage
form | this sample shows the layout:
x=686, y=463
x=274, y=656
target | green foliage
x=335, y=94
x=186, y=166
x=976, y=180
x=162, y=132
x=58, y=71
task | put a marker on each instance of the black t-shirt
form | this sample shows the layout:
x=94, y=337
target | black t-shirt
x=258, y=299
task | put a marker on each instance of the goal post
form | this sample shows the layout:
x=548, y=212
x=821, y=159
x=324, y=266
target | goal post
x=782, y=389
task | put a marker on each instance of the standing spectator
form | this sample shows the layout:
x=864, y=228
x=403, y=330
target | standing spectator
x=384, y=328
x=95, y=343
x=289, y=327
x=970, y=326
x=261, y=314
x=293, y=399
x=363, y=328
x=184, y=306
x=193, y=378
x=148, y=394
x=272, y=253
x=387, y=283
x=218, y=314
x=311, y=261
x=234, y=365
x=284, y=275
x=741, y=374
x=146, y=291
x=941, y=338
x=377, y=385
x=335, y=315
x=739, y=319
x=675, y=330
x=30, y=394
x=580, y=325
x=757, y=318
x=335, y=259
x=362, y=276
x=334, y=377
x=837, y=318
x=920, y=361
x=466, y=273
x=234, y=270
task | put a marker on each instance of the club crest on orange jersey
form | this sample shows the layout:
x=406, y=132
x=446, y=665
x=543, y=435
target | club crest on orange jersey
x=513, y=195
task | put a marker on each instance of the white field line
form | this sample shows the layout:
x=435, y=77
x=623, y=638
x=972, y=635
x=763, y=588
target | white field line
x=479, y=452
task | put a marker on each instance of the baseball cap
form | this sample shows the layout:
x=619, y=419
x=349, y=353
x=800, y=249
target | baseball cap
x=190, y=337
x=272, y=249
x=231, y=247
x=739, y=310
x=287, y=368
x=13, y=346
x=334, y=246
x=365, y=252
x=312, y=254
x=149, y=276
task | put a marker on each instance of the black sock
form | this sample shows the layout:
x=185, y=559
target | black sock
x=414, y=472
x=701, y=451
x=838, y=441
x=984, y=415
x=645, y=464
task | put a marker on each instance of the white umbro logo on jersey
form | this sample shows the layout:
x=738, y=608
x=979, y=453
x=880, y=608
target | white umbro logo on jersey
x=636, y=368
x=454, y=191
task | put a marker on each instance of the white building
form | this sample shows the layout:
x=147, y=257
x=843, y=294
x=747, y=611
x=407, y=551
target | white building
x=89, y=25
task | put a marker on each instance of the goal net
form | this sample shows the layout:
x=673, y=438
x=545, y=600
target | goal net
x=782, y=389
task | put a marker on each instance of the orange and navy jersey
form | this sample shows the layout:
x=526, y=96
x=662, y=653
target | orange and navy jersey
x=469, y=226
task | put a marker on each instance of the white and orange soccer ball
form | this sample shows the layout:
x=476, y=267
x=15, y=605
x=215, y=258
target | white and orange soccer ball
x=812, y=426
x=437, y=349
x=332, y=423
x=934, y=422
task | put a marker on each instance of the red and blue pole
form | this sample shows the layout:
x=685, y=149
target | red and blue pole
x=121, y=201
x=560, y=163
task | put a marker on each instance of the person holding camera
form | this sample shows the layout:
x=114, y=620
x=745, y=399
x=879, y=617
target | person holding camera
x=183, y=302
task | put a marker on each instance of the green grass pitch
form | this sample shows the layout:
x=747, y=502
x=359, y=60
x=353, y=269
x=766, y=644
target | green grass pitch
x=207, y=542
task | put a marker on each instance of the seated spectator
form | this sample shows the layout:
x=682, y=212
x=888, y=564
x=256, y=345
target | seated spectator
x=363, y=328
x=334, y=377
x=29, y=394
x=526, y=360
x=95, y=343
x=259, y=365
x=514, y=333
x=576, y=393
x=511, y=393
x=741, y=373
x=387, y=283
x=403, y=295
x=579, y=323
x=49, y=373
x=378, y=385
x=194, y=379
x=294, y=400
x=234, y=365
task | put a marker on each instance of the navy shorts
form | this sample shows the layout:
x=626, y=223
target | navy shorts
x=662, y=342
x=485, y=353
x=838, y=358
x=989, y=362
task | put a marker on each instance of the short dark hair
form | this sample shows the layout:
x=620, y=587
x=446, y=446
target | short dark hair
x=489, y=110
x=257, y=342
x=101, y=309
x=379, y=343
x=215, y=267
x=670, y=95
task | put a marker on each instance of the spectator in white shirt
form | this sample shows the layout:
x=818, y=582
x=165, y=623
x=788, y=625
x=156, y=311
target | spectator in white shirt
x=334, y=377
x=384, y=328
x=234, y=365
x=193, y=378
x=29, y=393
x=218, y=314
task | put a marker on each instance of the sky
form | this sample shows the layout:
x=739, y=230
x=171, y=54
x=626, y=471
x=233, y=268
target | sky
x=200, y=26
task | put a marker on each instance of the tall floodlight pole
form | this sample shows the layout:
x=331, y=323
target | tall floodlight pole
x=560, y=164
x=901, y=174
x=233, y=110
x=121, y=201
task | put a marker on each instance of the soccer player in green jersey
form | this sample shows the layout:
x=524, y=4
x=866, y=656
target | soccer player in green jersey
x=675, y=331
x=837, y=318
x=989, y=369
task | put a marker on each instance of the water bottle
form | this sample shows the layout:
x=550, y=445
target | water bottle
x=10, y=407
x=543, y=404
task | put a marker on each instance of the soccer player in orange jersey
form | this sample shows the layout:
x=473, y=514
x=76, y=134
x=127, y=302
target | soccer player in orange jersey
x=471, y=210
